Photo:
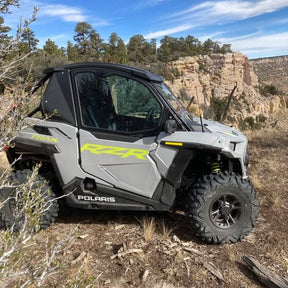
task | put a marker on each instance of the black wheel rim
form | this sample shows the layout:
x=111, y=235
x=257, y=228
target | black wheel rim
x=225, y=211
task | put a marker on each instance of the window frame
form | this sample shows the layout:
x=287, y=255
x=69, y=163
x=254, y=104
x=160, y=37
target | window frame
x=101, y=132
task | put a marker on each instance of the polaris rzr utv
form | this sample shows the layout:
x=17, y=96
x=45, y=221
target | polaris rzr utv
x=113, y=137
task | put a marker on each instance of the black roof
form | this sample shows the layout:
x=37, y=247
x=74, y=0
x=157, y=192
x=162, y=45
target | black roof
x=128, y=69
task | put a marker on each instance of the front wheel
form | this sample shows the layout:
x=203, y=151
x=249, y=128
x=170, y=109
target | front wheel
x=222, y=208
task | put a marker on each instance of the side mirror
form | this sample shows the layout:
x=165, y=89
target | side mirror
x=170, y=126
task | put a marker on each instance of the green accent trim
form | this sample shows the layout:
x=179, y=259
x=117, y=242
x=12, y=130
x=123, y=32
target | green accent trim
x=118, y=151
x=44, y=138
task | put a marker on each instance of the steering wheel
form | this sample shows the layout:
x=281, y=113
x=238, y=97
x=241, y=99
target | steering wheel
x=149, y=121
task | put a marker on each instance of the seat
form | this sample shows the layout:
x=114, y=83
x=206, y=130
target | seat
x=97, y=106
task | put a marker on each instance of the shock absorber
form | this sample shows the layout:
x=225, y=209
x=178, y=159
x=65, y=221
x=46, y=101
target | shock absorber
x=215, y=165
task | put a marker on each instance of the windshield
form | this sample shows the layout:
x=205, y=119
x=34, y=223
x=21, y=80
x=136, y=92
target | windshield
x=171, y=99
x=175, y=104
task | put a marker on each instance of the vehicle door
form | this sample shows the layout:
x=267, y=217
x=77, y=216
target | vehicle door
x=119, y=122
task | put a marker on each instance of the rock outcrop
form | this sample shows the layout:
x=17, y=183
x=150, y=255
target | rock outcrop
x=211, y=79
x=272, y=71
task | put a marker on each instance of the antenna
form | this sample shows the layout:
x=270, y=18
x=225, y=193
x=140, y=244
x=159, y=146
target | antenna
x=201, y=120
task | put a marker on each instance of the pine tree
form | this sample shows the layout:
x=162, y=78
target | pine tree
x=82, y=38
x=115, y=50
x=165, y=50
x=149, y=51
x=192, y=46
x=208, y=46
x=113, y=41
x=96, y=46
x=28, y=41
x=73, y=52
x=111, y=48
x=52, y=49
x=135, y=48
x=122, y=52
x=4, y=38
x=226, y=48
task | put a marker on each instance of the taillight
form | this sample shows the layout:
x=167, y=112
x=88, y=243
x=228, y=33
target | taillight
x=5, y=148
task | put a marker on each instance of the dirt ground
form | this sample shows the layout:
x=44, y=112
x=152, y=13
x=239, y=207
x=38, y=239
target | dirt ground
x=117, y=249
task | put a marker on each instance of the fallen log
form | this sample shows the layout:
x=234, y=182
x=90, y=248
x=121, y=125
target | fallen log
x=265, y=276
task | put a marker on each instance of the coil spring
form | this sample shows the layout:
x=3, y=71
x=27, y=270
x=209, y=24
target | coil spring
x=215, y=167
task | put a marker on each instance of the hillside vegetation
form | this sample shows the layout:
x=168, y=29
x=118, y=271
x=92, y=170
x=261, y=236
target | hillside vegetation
x=272, y=71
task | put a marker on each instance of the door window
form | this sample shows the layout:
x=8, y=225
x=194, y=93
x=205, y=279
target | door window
x=115, y=102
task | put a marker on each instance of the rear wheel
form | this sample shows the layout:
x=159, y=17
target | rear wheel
x=41, y=206
x=222, y=208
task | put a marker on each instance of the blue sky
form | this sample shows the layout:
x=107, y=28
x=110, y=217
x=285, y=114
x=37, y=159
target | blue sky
x=257, y=28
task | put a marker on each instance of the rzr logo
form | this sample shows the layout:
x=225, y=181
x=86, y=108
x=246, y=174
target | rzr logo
x=119, y=151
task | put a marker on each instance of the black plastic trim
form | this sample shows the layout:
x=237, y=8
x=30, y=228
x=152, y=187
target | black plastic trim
x=178, y=166
x=128, y=69
x=124, y=200
x=42, y=130
x=113, y=135
x=191, y=146
x=26, y=146
x=116, y=135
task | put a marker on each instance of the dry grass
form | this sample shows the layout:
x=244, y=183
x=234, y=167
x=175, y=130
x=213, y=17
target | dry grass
x=3, y=161
x=149, y=227
x=164, y=228
x=103, y=234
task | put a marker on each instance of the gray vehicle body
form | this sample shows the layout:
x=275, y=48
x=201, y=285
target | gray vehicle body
x=117, y=168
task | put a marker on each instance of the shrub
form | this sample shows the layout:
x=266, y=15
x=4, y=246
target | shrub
x=250, y=123
x=269, y=90
x=217, y=107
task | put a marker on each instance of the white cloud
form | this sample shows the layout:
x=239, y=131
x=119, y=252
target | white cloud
x=260, y=44
x=168, y=31
x=97, y=22
x=209, y=13
x=66, y=13
x=213, y=35
x=60, y=39
x=282, y=21
x=149, y=3
x=63, y=12
x=70, y=14
x=216, y=37
x=225, y=11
